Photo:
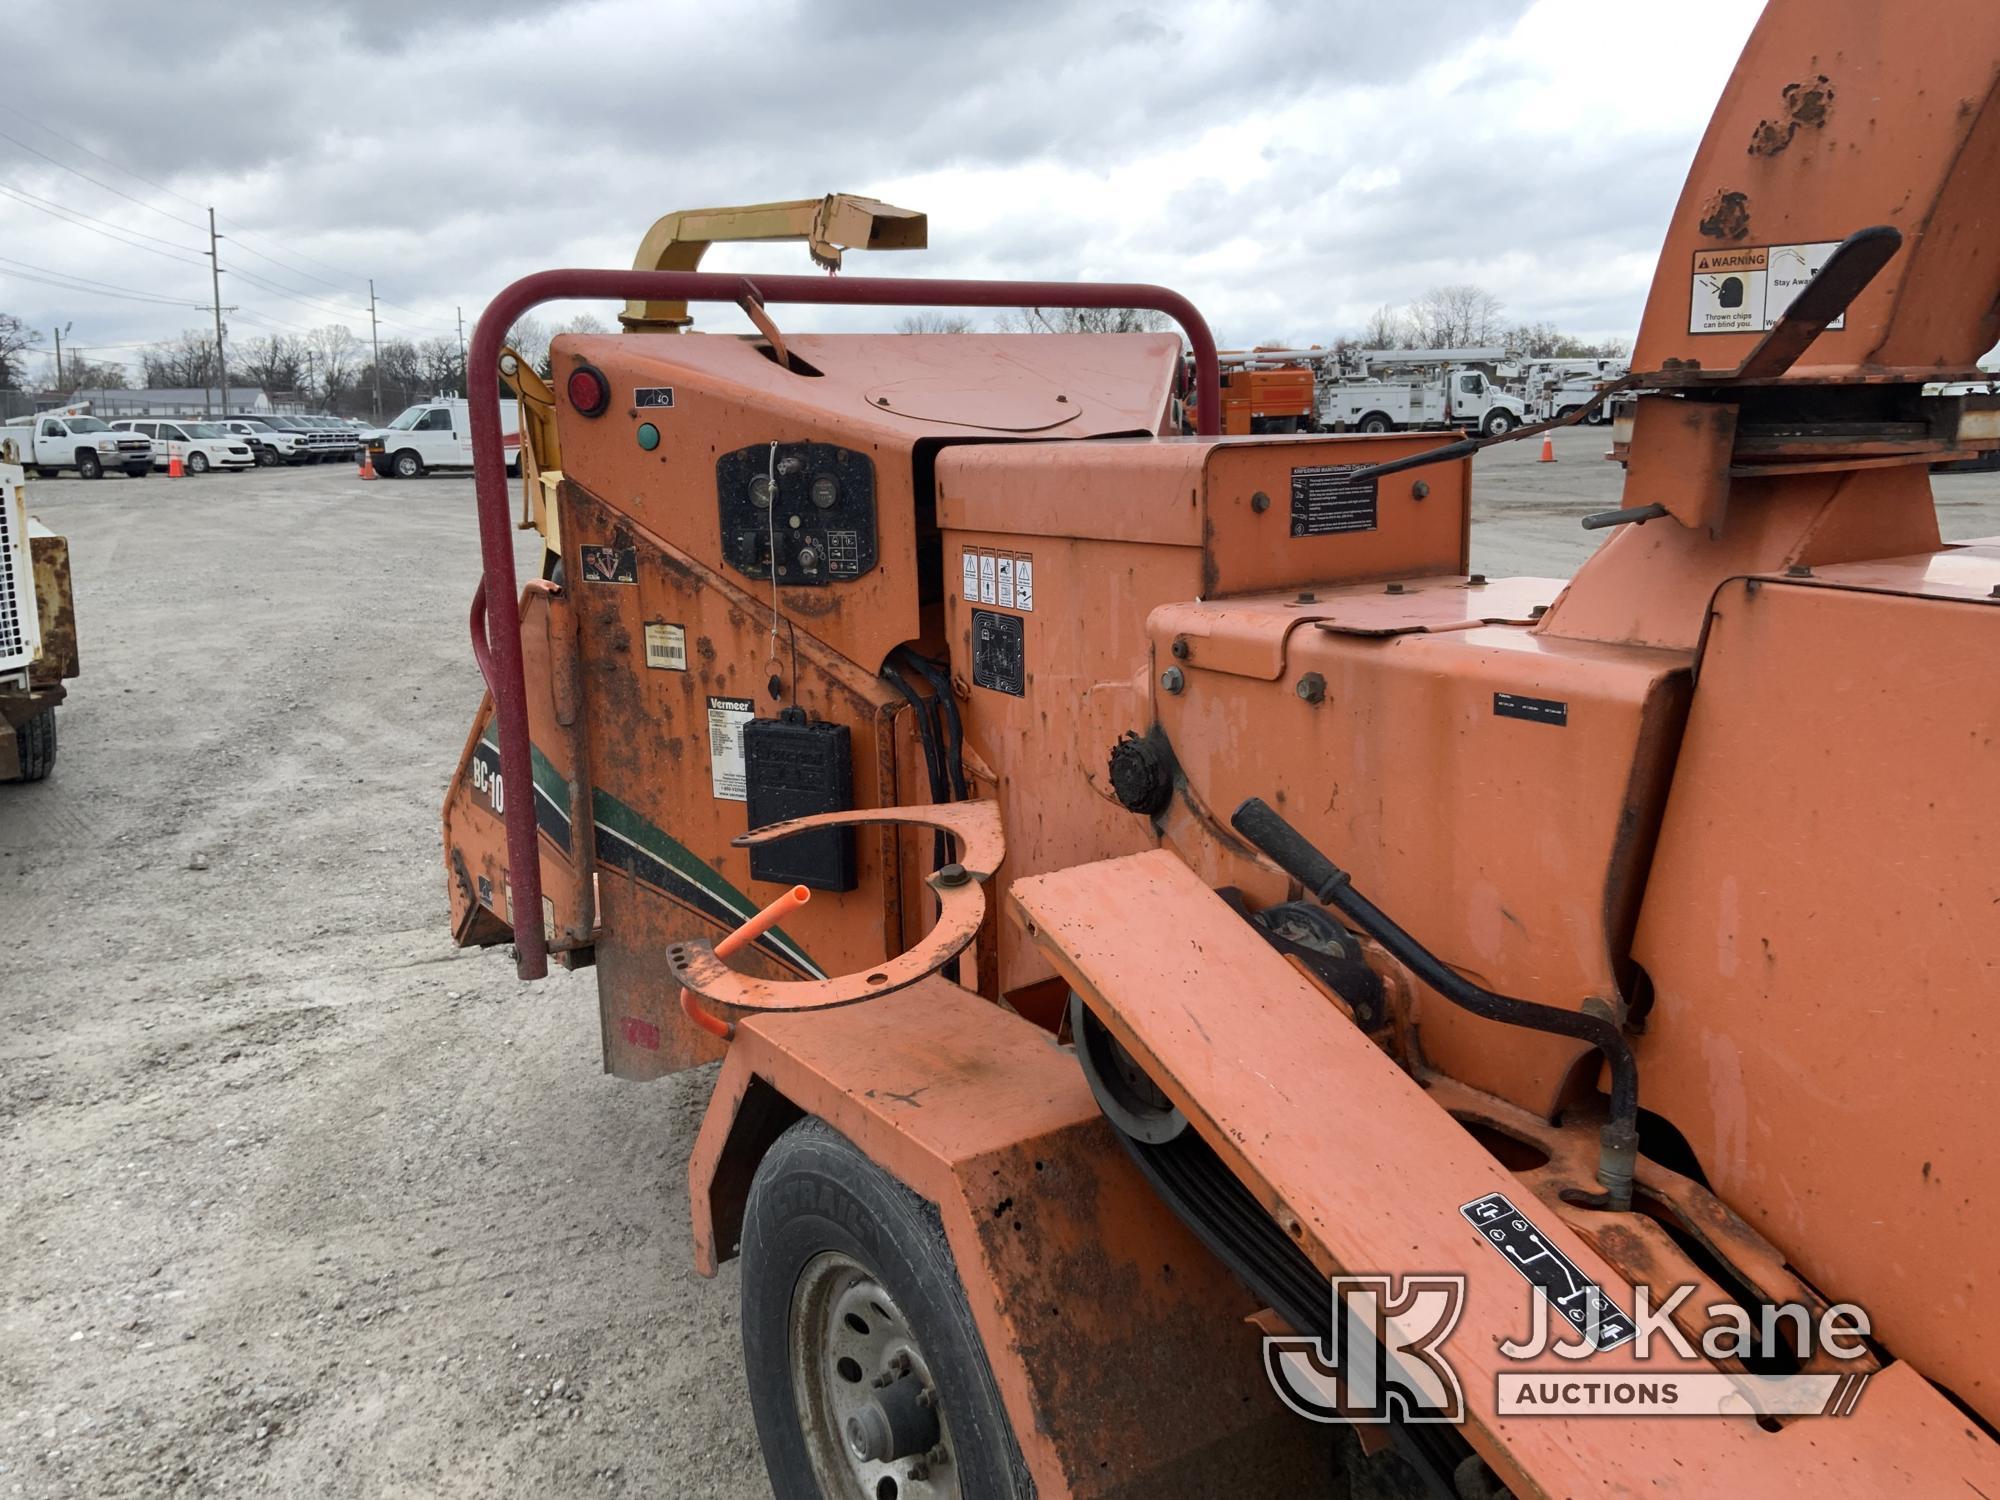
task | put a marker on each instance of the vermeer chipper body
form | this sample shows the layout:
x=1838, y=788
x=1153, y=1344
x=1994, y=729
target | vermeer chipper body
x=1334, y=889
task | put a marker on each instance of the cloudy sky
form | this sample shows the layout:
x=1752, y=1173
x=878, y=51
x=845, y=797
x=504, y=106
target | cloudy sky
x=1291, y=166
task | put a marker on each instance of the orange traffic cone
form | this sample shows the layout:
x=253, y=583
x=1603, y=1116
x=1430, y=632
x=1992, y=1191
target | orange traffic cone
x=174, y=470
x=366, y=469
x=1548, y=448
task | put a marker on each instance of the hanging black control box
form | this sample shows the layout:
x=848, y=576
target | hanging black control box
x=794, y=769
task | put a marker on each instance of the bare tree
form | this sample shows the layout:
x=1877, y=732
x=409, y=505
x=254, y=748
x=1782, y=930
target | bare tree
x=440, y=366
x=1458, y=316
x=936, y=322
x=275, y=362
x=583, y=322
x=1387, y=328
x=529, y=338
x=332, y=355
x=1081, y=320
x=16, y=338
x=82, y=373
x=185, y=360
x=1546, y=341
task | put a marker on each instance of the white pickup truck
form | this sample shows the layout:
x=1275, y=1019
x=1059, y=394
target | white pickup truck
x=437, y=434
x=55, y=441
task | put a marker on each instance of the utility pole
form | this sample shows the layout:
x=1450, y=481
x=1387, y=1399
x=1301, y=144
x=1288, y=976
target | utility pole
x=215, y=277
x=65, y=329
x=375, y=337
x=464, y=375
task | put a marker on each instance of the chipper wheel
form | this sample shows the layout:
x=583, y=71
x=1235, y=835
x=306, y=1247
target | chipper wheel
x=866, y=1373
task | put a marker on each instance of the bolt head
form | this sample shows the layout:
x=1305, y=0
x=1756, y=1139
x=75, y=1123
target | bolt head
x=1172, y=680
x=1180, y=648
x=1798, y=570
x=1311, y=688
x=1394, y=588
x=1420, y=490
x=1260, y=502
x=953, y=874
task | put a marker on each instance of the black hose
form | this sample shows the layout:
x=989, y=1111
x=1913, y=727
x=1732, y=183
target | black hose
x=1330, y=885
x=927, y=733
x=954, y=749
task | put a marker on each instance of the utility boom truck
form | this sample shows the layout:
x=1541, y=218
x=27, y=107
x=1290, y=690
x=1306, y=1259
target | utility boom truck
x=1194, y=970
x=1402, y=390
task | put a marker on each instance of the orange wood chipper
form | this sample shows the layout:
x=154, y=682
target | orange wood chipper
x=1206, y=972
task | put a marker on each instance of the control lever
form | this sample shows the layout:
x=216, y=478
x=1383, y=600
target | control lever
x=1296, y=855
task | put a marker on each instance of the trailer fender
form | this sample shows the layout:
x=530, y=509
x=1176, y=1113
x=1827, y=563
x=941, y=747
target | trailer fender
x=1120, y=1346
x=1347, y=1156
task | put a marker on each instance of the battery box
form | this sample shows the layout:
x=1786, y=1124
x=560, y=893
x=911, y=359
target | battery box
x=794, y=769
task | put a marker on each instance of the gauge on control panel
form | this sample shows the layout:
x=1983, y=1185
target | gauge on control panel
x=813, y=504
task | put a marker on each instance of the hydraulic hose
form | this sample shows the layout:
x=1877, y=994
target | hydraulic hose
x=1296, y=856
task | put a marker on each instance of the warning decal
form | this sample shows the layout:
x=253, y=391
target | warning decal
x=727, y=771
x=1003, y=578
x=1747, y=289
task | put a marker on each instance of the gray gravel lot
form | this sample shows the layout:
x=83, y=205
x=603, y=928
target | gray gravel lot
x=295, y=1198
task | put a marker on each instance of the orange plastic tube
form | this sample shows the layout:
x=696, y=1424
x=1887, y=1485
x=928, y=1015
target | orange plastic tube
x=742, y=937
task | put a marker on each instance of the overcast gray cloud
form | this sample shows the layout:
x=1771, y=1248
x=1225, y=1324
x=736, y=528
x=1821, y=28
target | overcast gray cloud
x=1291, y=166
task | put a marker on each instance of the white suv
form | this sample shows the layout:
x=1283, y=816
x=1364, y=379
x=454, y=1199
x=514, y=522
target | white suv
x=271, y=446
x=201, y=445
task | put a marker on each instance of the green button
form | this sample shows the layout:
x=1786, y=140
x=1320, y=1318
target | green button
x=649, y=436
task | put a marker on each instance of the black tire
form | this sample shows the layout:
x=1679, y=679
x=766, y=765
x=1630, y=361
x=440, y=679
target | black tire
x=267, y=458
x=817, y=1199
x=139, y=471
x=1498, y=424
x=197, y=463
x=1376, y=421
x=87, y=466
x=35, y=745
x=409, y=465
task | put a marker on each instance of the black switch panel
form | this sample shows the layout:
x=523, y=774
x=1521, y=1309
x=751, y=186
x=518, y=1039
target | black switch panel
x=793, y=770
x=810, y=504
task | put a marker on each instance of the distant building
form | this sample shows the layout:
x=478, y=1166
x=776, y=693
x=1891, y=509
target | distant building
x=171, y=401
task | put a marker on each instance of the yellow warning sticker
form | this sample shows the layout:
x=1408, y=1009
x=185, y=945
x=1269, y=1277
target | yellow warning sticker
x=1747, y=289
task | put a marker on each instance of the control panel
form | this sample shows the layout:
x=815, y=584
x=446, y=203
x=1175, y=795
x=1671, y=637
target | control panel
x=807, y=507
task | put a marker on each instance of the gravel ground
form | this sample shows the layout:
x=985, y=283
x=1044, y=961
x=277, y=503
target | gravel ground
x=295, y=1198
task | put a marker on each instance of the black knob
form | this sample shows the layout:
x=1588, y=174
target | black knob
x=1140, y=776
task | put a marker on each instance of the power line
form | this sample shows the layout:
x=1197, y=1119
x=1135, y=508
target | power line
x=95, y=182
x=25, y=272
x=50, y=206
x=243, y=241
x=100, y=156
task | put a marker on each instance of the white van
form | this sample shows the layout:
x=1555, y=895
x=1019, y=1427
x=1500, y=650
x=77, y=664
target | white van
x=437, y=434
x=201, y=445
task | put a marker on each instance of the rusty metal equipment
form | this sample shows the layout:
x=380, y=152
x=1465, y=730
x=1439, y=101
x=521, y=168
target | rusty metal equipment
x=1218, y=890
x=38, y=651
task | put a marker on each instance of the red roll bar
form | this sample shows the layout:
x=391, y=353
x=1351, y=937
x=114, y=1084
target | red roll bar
x=499, y=656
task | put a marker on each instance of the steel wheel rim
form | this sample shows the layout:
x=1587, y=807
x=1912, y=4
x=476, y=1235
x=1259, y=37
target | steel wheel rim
x=845, y=1333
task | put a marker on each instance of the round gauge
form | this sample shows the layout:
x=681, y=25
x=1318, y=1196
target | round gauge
x=760, y=491
x=825, y=492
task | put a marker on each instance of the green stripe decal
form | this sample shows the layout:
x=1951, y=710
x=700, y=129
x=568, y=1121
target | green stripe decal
x=623, y=832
